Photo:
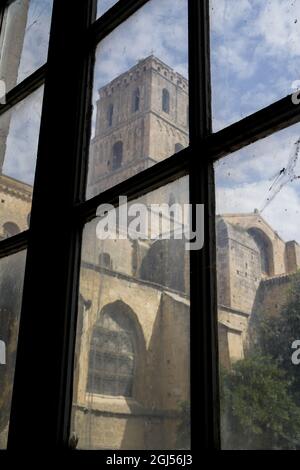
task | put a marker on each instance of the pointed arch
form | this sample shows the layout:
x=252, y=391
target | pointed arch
x=265, y=248
x=114, y=351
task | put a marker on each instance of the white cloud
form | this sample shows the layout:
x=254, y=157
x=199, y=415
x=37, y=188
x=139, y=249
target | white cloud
x=22, y=139
x=228, y=14
x=261, y=160
x=283, y=214
x=246, y=179
x=159, y=28
x=104, y=5
x=234, y=59
x=35, y=46
x=277, y=24
x=255, y=55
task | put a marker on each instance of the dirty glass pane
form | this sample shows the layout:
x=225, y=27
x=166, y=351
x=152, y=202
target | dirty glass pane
x=24, y=39
x=19, y=133
x=255, y=55
x=11, y=285
x=104, y=5
x=140, y=95
x=131, y=380
x=258, y=262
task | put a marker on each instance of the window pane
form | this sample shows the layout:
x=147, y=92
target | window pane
x=19, y=133
x=140, y=97
x=24, y=39
x=131, y=381
x=104, y=5
x=11, y=285
x=255, y=55
x=258, y=261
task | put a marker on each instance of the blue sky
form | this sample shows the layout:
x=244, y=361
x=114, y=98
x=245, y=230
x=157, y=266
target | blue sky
x=255, y=47
x=159, y=28
x=255, y=55
x=22, y=140
x=104, y=5
x=246, y=179
x=255, y=51
x=35, y=47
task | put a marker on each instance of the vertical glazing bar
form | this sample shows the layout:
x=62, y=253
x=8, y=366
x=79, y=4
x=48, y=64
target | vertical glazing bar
x=204, y=371
x=42, y=378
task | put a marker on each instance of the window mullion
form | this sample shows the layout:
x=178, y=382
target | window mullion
x=148, y=180
x=261, y=124
x=42, y=376
x=24, y=89
x=13, y=244
x=122, y=10
x=204, y=390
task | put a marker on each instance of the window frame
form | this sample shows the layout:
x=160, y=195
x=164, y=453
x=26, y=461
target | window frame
x=67, y=207
x=59, y=201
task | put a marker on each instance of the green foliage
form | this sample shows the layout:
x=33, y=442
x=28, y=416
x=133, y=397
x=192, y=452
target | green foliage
x=260, y=395
x=276, y=334
x=258, y=411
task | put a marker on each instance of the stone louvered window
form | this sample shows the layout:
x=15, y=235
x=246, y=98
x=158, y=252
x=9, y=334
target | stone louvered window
x=136, y=100
x=110, y=113
x=117, y=156
x=165, y=101
x=112, y=356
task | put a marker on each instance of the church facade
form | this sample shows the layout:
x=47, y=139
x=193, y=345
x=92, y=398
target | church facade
x=132, y=374
x=254, y=270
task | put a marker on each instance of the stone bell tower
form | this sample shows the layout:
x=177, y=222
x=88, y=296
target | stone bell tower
x=142, y=118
